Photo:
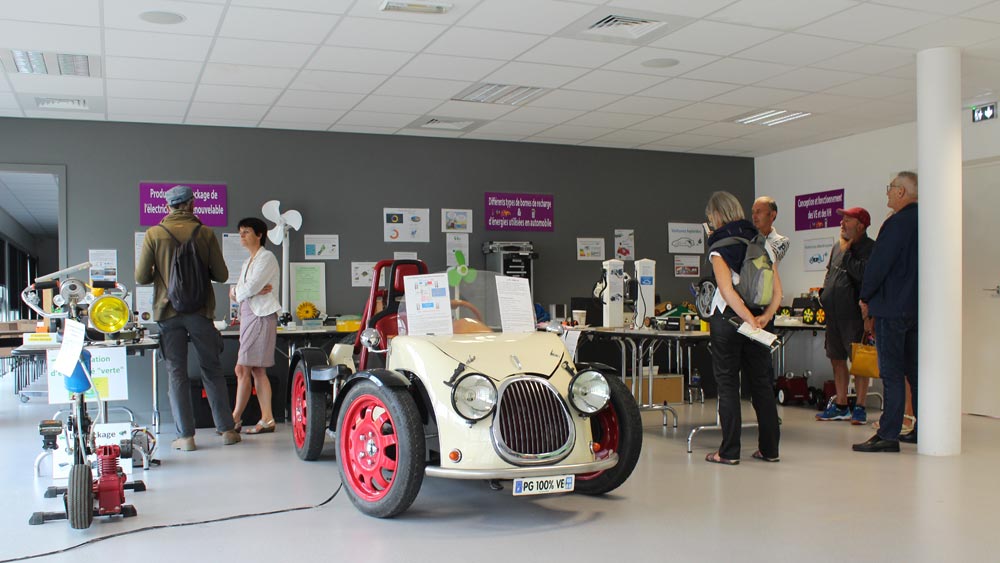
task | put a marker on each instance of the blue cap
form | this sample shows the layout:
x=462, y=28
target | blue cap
x=178, y=195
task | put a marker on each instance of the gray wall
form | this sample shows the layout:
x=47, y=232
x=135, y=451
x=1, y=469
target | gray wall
x=340, y=182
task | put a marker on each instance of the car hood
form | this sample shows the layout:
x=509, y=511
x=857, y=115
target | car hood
x=500, y=354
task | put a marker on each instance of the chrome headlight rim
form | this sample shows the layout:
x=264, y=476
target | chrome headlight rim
x=577, y=400
x=458, y=386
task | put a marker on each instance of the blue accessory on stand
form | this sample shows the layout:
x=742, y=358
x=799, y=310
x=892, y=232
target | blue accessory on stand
x=78, y=382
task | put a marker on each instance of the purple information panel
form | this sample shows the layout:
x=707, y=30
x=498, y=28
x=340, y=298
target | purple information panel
x=518, y=212
x=818, y=210
x=209, y=203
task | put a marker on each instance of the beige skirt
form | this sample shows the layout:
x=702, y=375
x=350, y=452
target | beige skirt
x=257, y=337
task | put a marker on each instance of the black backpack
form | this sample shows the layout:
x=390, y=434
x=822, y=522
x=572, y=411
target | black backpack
x=189, y=284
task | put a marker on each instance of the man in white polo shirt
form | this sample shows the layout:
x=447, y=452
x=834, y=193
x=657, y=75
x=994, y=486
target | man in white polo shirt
x=763, y=213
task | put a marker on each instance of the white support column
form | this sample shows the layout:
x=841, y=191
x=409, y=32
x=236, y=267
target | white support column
x=939, y=157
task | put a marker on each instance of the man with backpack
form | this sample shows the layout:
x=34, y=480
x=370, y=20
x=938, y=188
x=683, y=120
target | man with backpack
x=181, y=258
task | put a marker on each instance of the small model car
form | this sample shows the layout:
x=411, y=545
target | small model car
x=476, y=404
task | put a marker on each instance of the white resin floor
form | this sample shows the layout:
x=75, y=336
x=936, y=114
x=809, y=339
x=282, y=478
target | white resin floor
x=823, y=502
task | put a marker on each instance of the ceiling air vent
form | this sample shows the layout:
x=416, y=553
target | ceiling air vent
x=503, y=94
x=444, y=123
x=623, y=27
x=62, y=103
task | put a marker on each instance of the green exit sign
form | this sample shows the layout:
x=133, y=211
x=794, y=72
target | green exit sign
x=984, y=112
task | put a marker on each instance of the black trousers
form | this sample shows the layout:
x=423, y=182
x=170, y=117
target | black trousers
x=733, y=353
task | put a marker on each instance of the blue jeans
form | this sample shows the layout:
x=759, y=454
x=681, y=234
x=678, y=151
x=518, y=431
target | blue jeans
x=174, y=334
x=896, y=343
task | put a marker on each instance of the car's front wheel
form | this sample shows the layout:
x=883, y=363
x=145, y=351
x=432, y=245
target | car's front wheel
x=380, y=449
x=617, y=428
x=308, y=417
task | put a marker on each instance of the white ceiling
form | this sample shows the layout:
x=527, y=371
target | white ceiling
x=343, y=65
x=32, y=199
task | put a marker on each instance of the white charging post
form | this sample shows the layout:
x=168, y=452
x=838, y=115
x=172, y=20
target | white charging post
x=645, y=301
x=614, y=293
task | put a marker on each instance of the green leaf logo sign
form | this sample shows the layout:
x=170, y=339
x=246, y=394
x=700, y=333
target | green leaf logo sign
x=461, y=272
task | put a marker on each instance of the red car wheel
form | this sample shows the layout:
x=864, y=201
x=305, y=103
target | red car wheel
x=604, y=426
x=308, y=417
x=618, y=428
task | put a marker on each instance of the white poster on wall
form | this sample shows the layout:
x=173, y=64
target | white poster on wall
x=404, y=256
x=687, y=266
x=406, y=224
x=456, y=242
x=234, y=254
x=590, y=249
x=361, y=274
x=308, y=283
x=103, y=265
x=144, y=303
x=456, y=220
x=625, y=244
x=816, y=253
x=685, y=238
x=322, y=247
x=140, y=238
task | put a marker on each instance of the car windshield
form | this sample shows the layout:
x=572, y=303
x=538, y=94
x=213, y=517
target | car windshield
x=474, y=302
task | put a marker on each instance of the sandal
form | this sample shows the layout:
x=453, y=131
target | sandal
x=262, y=427
x=758, y=455
x=714, y=457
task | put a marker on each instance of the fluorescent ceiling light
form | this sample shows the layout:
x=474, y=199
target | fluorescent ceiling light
x=73, y=65
x=762, y=115
x=162, y=18
x=786, y=118
x=435, y=123
x=418, y=7
x=503, y=94
x=30, y=62
x=771, y=117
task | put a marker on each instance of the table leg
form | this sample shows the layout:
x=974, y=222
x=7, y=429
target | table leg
x=156, y=396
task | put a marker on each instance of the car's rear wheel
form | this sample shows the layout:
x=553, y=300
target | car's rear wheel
x=617, y=428
x=308, y=417
x=380, y=449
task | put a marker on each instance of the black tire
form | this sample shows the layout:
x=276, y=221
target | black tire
x=626, y=412
x=782, y=397
x=80, y=497
x=359, y=458
x=309, y=416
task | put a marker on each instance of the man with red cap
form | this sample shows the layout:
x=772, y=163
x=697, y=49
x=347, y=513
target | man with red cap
x=845, y=323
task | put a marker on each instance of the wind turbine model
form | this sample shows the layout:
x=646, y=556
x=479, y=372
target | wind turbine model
x=284, y=222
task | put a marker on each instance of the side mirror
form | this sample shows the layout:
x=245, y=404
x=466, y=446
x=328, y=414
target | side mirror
x=371, y=339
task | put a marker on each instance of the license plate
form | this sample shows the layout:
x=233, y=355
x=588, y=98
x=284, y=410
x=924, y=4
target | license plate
x=544, y=485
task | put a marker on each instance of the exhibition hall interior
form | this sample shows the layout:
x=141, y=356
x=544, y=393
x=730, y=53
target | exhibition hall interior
x=499, y=279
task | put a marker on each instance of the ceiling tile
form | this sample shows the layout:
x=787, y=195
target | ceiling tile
x=236, y=94
x=756, y=96
x=949, y=7
x=513, y=128
x=377, y=119
x=576, y=132
x=149, y=69
x=245, y=75
x=323, y=6
x=574, y=52
x=796, y=49
x=149, y=89
x=8, y=101
x=227, y=111
x=573, y=99
x=276, y=25
x=989, y=12
x=11, y=112
x=350, y=82
x=633, y=137
x=532, y=74
x=874, y=87
x=144, y=44
x=384, y=34
x=220, y=121
x=199, y=18
x=714, y=38
x=870, y=59
x=632, y=62
x=546, y=16
x=725, y=130
x=611, y=82
x=347, y=59
x=689, y=8
x=483, y=43
x=481, y=136
x=71, y=12
x=348, y=128
x=810, y=79
x=820, y=103
x=738, y=71
x=304, y=115
x=542, y=115
x=709, y=111
x=685, y=89
x=880, y=109
x=869, y=23
x=645, y=106
x=670, y=124
x=608, y=143
x=421, y=87
x=449, y=68
x=691, y=140
x=148, y=107
x=50, y=37
x=262, y=53
x=779, y=14
x=56, y=85
x=429, y=132
x=319, y=100
x=394, y=104
x=989, y=49
x=606, y=119
x=551, y=140
x=951, y=32
x=472, y=110
x=292, y=125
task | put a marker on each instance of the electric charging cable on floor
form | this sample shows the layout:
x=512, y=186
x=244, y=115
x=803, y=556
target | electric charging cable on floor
x=178, y=525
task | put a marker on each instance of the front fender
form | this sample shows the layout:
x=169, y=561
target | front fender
x=310, y=358
x=379, y=376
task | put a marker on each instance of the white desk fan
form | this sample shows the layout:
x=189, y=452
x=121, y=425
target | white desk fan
x=278, y=235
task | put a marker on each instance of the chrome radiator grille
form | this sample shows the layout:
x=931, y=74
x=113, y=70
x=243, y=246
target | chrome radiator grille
x=533, y=424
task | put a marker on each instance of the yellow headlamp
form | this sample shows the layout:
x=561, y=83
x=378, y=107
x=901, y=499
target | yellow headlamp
x=109, y=314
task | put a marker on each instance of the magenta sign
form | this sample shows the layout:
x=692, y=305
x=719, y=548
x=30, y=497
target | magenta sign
x=818, y=210
x=518, y=212
x=209, y=203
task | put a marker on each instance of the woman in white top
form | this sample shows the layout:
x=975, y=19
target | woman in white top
x=256, y=292
x=733, y=353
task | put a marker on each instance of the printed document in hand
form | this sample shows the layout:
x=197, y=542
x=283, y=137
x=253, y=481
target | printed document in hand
x=757, y=334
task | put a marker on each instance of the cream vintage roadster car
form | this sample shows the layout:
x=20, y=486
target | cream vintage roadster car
x=475, y=404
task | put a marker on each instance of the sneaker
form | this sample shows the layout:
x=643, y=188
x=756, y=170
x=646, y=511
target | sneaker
x=230, y=437
x=184, y=444
x=833, y=412
x=859, y=417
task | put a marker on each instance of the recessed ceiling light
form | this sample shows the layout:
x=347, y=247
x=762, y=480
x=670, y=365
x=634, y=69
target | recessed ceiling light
x=504, y=94
x=29, y=62
x=418, y=7
x=660, y=63
x=161, y=18
x=771, y=117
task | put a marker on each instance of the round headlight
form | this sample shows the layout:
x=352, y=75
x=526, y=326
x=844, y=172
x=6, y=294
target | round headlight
x=109, y=314
x=474, y=396
x=589, y=391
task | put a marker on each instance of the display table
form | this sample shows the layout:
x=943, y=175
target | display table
x=785, y=328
